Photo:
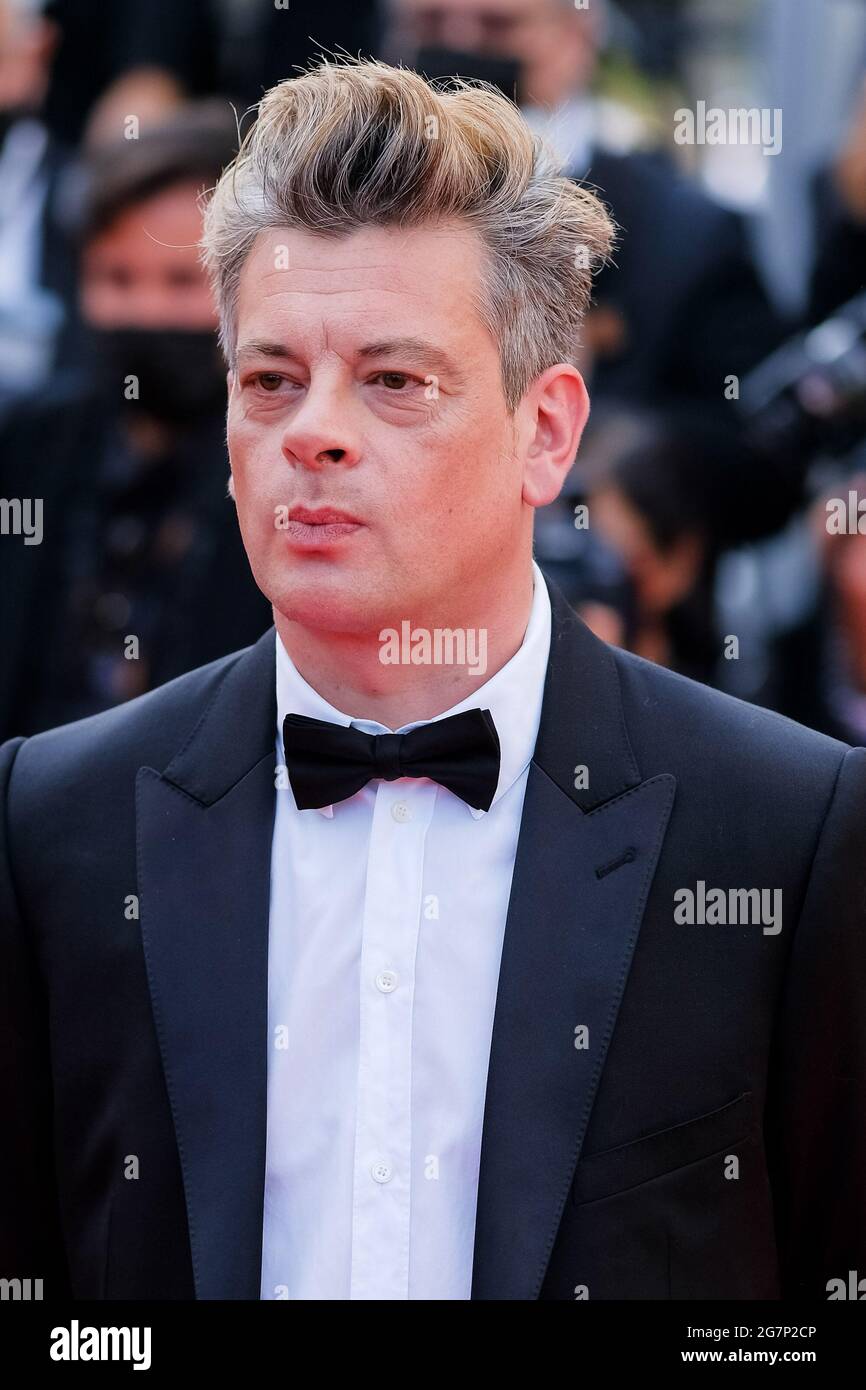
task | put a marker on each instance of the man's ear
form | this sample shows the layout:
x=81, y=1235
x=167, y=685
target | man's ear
x=557, y=409
x=230, y=490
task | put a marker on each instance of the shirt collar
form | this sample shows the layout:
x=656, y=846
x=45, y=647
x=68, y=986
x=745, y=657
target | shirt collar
x=513, y=694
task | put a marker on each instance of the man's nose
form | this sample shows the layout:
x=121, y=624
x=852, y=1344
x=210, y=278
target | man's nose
x=310, y=453
x=319, y=433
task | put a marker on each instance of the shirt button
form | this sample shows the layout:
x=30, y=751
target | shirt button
x=401, y=812
x=387, y=981
x=381, y=1172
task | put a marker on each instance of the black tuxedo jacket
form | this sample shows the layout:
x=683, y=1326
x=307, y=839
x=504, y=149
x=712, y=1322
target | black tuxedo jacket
x=672, y=1111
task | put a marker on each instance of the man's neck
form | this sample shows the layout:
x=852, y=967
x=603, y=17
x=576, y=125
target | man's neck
x=348, y=671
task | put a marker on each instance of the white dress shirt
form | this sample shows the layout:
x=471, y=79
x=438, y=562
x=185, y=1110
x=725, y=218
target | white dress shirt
x=387, y=916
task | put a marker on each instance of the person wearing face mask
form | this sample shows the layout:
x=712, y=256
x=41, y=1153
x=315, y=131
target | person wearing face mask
x=682, y=306
x=140, y=571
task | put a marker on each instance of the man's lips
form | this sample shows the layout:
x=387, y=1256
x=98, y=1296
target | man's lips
x=310, y=528
x=322, y=516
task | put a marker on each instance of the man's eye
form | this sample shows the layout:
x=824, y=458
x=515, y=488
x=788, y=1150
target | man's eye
x=268, y=381
x=395, y=381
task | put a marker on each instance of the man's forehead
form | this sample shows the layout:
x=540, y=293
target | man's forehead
x=432, y=272
x=404, y=250
x=400, y=292
x=433, y=8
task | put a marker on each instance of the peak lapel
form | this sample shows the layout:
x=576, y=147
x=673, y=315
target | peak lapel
x=204, y=849
x=585, y=860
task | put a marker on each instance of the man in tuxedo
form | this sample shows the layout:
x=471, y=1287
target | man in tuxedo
x=429, y=947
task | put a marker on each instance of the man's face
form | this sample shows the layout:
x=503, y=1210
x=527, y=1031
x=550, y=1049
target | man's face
x=491, y=26
x=555, y=47
x=144, y=269
x=366, y=383
x=26, y=46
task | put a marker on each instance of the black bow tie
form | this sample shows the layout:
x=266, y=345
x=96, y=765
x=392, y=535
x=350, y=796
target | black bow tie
x=329, y=762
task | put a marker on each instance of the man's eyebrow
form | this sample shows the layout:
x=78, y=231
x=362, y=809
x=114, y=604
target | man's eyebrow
x=425, y=354
x=256, y=348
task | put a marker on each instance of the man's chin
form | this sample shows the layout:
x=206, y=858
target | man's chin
x=328, y=601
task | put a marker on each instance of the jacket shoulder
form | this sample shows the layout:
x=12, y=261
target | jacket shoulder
x=676, y=721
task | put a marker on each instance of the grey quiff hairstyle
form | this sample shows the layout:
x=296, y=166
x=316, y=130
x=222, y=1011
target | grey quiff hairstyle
x=355, y=143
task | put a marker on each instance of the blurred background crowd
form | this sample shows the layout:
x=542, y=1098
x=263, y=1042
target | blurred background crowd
x=713, y=522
